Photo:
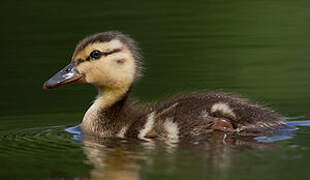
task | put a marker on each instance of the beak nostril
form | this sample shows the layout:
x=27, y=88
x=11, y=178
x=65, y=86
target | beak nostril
x=65, y=76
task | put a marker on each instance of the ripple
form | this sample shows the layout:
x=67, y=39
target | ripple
x=284, y=133
x=299, y=123
x=28, y=142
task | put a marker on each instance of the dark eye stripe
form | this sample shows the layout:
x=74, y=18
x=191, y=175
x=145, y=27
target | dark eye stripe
x=102, y=53
x=111, y=52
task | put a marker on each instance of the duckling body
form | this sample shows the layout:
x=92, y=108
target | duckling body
x=182, y=117
x=111, y=62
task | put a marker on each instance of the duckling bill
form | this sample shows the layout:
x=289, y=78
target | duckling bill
x=111, y=62
x=65, y=76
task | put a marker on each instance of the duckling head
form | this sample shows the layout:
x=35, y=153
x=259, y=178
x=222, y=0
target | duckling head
x=106, y=60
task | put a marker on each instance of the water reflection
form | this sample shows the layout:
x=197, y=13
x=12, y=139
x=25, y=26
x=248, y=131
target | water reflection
x=66, y=155
x=112, y=159
x=128, y=159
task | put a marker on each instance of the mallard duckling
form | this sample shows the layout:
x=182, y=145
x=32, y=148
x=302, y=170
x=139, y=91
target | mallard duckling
x=111, y=62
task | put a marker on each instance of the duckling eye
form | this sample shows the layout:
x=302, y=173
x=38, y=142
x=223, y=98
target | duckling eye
x=96, y=54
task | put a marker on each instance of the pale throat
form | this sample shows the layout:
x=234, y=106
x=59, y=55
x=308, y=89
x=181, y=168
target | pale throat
x=106, y=98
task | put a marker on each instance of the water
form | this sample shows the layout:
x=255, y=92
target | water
x=259, y=49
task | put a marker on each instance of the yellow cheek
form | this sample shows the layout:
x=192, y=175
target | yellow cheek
x=83, y=67
x=107, y=72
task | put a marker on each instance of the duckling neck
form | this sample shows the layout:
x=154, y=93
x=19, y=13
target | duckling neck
x=103, y=117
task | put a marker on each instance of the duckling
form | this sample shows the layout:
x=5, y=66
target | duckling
x=111, y=62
